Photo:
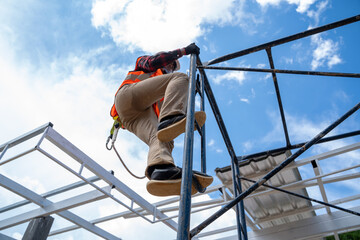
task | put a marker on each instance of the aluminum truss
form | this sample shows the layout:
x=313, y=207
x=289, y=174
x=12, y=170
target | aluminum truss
x=61, y=208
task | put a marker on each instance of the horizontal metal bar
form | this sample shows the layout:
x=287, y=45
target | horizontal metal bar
x=50, y=194
x=17, y=156
x=54, y=208
x=176, y=208
x=304, y=197
x=243, y=69
x=298, y=145
x=218, y=231
x=130, y=213
x=310, y=182
x=37, y=199
x=25, y=136
x=285, y=39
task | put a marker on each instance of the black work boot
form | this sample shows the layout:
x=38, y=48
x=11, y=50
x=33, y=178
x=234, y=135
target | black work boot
x=167, y=181
x=170, y=173
x=171, y=127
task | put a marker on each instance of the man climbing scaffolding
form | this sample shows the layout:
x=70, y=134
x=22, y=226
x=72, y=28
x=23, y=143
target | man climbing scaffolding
x=151, y=103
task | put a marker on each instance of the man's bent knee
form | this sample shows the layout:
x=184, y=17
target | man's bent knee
x=180, y=75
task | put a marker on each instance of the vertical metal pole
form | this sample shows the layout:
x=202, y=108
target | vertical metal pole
x=242, y=209
x=186, y=183
x=237, y=206
x=203, y=139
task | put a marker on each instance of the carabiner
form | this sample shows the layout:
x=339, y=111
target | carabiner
x=107, y=143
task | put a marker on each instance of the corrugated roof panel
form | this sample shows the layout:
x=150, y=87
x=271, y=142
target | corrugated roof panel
x=273, y=208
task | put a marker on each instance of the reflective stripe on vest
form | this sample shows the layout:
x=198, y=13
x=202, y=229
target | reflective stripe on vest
x=134, y=77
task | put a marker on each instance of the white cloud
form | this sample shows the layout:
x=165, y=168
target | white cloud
x=264, y=3
x=320, y=9
x=236, y=76
x=302, y=129
x=302, y=5
x=326, y=52
x=245, y=100
x=153, y=25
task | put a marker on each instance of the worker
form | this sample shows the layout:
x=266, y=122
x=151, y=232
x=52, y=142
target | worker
x=151, y=103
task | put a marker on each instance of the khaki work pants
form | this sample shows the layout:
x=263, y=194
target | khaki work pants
x=133, y=103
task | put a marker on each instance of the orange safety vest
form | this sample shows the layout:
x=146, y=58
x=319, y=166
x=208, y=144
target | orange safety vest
x=134, y=77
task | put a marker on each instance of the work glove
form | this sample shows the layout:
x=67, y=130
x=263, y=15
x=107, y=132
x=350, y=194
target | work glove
x=192, y=48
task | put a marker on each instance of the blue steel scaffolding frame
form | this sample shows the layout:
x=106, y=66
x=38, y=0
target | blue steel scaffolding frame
x=204, y=86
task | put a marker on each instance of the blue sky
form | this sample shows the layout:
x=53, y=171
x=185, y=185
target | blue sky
x=62, y=61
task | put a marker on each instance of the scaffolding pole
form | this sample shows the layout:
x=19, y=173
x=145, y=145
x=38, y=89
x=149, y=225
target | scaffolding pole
x=186, y=183
x=203, y=138
x=273, y=172
x=263, y=70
